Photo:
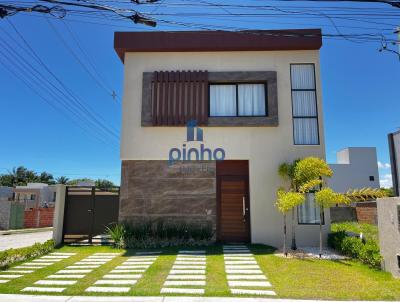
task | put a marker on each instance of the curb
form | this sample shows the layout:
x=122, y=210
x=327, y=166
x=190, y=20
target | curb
x=25, y=231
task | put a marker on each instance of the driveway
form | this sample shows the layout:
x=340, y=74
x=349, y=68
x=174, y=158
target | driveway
x=23, y=239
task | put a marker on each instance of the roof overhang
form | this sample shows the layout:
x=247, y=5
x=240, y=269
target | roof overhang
x=197, y=41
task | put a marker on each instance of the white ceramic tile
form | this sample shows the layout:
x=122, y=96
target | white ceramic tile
x=27, y=267
x=4, y=281
x=63, y=254
x=182, y=262
x=19, y=271
x=124, y=271
x=82, y=266
x=55, y=257
x=107, y=289
x=36, y=264
x=252, y=292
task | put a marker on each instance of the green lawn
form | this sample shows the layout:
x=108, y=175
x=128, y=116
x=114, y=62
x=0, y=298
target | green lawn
x=290, y=278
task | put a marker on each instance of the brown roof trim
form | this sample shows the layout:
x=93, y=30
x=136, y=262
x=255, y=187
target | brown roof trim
x=183, y=41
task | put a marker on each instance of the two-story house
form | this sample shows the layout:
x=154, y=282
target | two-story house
x=208, y=116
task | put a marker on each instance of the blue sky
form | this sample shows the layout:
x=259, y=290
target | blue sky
x=360, y=87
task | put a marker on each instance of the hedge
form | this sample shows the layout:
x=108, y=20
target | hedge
x=367, y=252
x=11, y=256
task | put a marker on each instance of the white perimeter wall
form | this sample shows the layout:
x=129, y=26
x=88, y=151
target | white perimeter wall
x=264, y=147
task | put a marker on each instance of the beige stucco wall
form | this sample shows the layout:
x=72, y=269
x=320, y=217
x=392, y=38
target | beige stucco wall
x=264, y=147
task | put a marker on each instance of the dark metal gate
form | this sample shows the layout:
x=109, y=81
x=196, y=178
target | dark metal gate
x=87, y=213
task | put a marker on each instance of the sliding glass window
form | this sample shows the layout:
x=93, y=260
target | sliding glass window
x=304, y=104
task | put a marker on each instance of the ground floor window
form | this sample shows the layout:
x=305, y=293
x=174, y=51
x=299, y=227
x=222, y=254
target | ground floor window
x=308, y=213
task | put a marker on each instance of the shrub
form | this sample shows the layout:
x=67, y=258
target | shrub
x=159, y=234
x=11, y=256
x=367, y=252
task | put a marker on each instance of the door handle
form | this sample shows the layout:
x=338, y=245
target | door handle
x=244, y=208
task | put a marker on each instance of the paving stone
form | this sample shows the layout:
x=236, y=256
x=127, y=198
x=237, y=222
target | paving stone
x=185, y=282
x=190, y=258
x=244, y=271
x=240, y=262
x=10, y=276
x=74, y=271
x=26, y=267
x=149, y=253
x=107, y=254
x=133, y=266
x=192, y=252
x=45, y=261
x=19, y=271
x=115, y=282
x=118, y=269
x=170, y=290
x=90, y=262
x=194, y=272
x=82, y=266
x=140, y=260
x=43, y=289
x=144, y=263
x=239, y=259
x=94, y=261
x=252, y=292
x=108, y=289
x=186, y=277
x=237, y=253
x=122, y=276
x=248, y=266
x=246, y=277
x=65, y=276
x=63, y=254
x=4, y=281
x=36, y=264
x=249, y=283
x=55, y=282
x=177, y=266
x=189, y=262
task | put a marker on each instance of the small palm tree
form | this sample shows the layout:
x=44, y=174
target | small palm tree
x=62, y=180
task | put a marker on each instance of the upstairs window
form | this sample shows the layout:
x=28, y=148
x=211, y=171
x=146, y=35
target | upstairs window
x=230, y=100
x=304, y=104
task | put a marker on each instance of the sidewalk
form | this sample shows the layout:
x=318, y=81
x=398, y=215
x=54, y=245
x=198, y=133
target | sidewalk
x=24, y=238
x=36, y=298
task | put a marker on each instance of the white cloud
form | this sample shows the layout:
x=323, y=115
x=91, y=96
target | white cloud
x=386, y=181
x=383, y=165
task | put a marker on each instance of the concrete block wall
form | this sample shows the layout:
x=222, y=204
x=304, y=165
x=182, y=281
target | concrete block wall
x=5, y=207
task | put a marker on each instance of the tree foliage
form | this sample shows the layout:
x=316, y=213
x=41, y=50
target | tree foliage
x=365, y=194
x=286, y=201
x=20, y=176
x=104, y=184
x=326, y=198
x=310, y=172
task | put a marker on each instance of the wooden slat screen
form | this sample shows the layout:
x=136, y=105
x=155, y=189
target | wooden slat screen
x=178, y=97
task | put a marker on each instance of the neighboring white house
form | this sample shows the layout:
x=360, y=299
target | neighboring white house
x=356, y=168
x=192, y=99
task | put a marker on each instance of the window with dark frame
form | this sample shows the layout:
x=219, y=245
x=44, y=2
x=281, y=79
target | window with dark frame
x=308, y=213
x=304, y=104
x=371, y=178
x=238, y=99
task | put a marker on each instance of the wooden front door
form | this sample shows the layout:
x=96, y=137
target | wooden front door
x=233, y=202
